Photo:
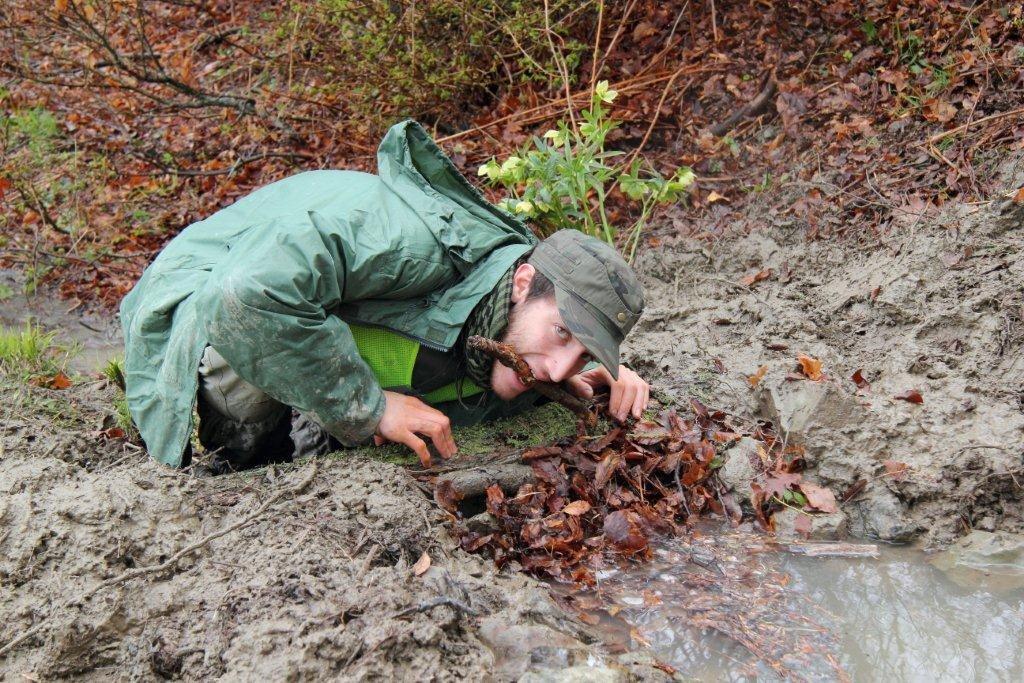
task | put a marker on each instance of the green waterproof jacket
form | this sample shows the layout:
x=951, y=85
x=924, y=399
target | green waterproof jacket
x=270, y=281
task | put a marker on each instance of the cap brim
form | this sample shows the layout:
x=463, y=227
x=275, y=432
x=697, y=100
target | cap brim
x=589, y=329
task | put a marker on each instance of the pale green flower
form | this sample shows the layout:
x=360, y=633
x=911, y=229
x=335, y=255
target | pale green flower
x=524, y=207
x=510, y=165
x=490, y=169
x=557, y=137
x=604, y=93
x=684, y=177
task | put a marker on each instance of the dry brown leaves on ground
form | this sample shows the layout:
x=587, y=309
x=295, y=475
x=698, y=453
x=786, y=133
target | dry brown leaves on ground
x=610, y=493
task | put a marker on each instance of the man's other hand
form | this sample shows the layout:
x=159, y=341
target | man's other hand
x=405, y=417
x=629, y=393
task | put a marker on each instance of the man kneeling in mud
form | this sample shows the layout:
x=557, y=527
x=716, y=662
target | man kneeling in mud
x=333, y=306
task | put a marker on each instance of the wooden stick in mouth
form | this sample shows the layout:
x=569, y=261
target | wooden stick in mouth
x=507, y=356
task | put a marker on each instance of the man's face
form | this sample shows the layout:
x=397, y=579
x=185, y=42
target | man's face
x=538, y=333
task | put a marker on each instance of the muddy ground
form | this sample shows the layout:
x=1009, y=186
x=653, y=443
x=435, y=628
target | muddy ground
x=112, y=566
x=936, y=308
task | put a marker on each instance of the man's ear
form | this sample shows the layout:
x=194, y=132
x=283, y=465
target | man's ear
x=521, y=280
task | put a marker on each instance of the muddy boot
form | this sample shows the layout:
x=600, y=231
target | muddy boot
x=309, y=438
x=239, y=423
x=238, y=445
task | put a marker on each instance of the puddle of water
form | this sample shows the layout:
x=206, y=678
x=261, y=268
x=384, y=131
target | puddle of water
x=98, y=337
x=895, y=617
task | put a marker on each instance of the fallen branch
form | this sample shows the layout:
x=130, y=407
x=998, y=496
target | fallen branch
x=830, y=549
x=755, y=107
x=507, y=356
x=963, y=127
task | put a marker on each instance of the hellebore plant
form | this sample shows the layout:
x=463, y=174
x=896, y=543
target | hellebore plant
x=565, y=178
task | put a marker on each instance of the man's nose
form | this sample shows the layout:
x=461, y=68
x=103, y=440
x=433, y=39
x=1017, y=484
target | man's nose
x=560, y=366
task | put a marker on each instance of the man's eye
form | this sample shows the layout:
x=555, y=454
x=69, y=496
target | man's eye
x=562, y=332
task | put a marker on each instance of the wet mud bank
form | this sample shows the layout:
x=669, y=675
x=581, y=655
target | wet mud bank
x=918, y=424
x=113, y=566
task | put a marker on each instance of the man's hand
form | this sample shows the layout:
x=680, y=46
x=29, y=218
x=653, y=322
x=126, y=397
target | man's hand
x=630, y=393
x=405, y=417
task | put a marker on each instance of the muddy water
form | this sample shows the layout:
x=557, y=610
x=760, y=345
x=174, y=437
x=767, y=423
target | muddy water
x=96, y=337
x=896, y=617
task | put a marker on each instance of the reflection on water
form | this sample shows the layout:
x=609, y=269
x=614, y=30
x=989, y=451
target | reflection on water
x=894, y=618
x=900, y=618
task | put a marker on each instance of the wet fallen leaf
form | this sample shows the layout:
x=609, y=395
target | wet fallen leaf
x=1018, y=198
x=635, y=635
x=113, y=433
x=939, y=110
x=777, y=483
x=855, y=489
x=422, y=564
x=667, y=668
x=606, y=468
x=446, y=495
x=858, y=379
x=819, y=497
x=896, y=470
x=58, y=381
x=910, y=396
x=803, y=525
x=756, y=378
x=811, y=367
x=622, y=528
x=576, y=508
x=756, y=277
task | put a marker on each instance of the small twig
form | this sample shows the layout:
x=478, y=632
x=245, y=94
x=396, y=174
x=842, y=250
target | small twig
x=597, y=44
x=507, y=356
x=952, y=131
x=440, y=601
x=618, y=32
x=192, y=547
x=556, y=54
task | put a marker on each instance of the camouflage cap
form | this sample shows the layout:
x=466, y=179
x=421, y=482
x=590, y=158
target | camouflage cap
x=597, y=293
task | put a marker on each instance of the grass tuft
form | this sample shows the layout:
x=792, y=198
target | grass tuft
x=30, y=351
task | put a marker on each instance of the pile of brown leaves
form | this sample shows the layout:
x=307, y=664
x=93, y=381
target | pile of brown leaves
x=597, y=498
x=610, y=493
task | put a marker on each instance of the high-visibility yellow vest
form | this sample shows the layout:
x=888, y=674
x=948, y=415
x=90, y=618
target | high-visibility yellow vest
x=392, y=358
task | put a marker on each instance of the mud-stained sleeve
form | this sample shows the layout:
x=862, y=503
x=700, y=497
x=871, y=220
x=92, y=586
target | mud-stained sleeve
x=265, y=310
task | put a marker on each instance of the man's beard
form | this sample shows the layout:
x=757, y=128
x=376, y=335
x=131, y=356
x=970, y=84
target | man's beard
x=513, y=334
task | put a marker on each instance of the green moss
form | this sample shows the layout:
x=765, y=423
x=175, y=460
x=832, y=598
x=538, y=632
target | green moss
x=535, y=427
